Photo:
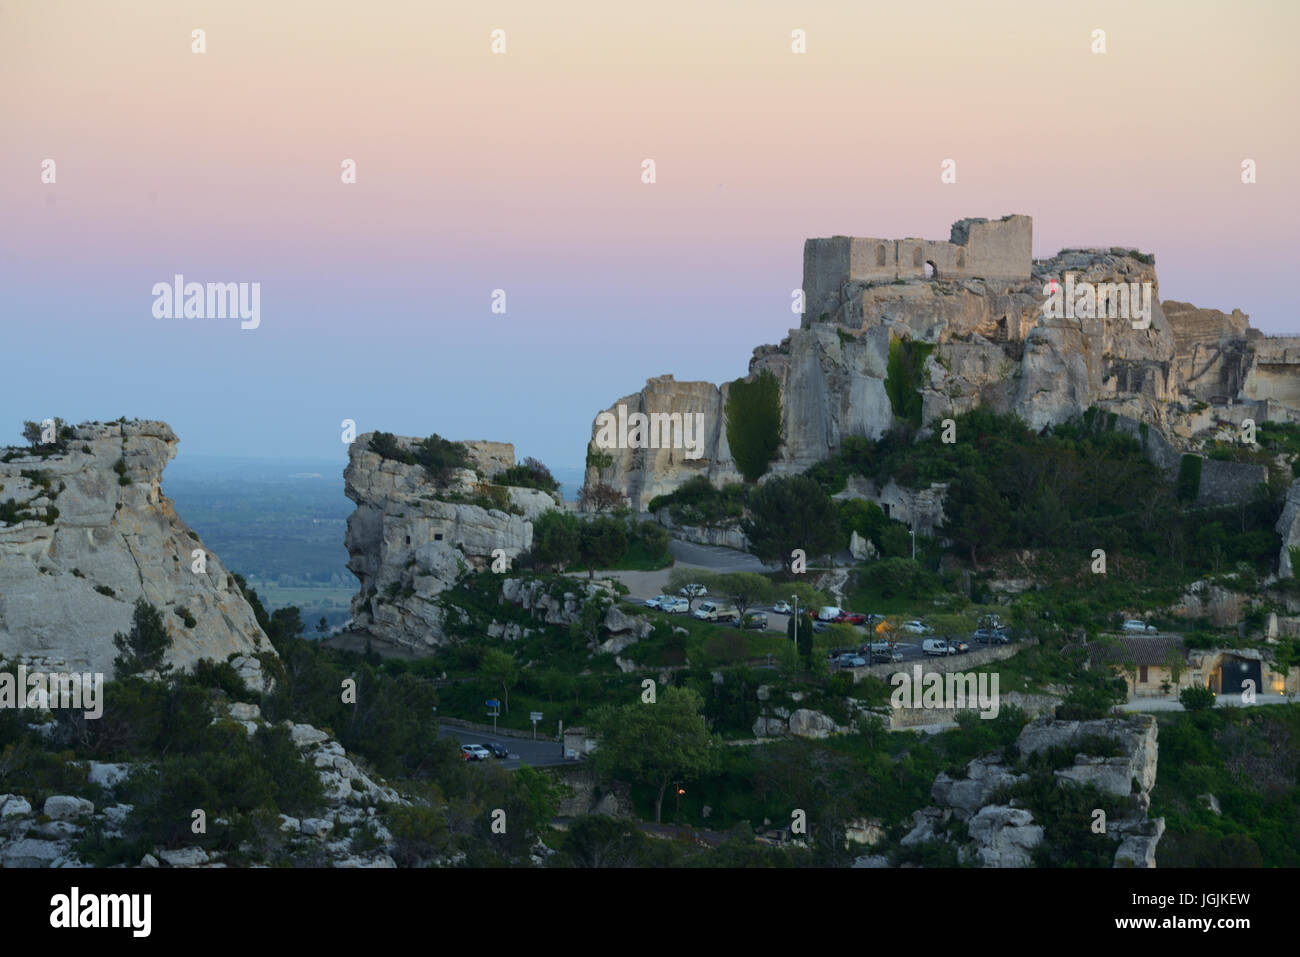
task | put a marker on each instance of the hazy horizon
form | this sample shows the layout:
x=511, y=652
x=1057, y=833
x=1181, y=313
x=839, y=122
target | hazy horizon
x=521, y=172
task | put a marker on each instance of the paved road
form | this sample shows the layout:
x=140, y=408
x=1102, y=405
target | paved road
x=1223, y=701
x=522, y=750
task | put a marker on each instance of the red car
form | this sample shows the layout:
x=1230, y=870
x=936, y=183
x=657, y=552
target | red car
x=848, y=618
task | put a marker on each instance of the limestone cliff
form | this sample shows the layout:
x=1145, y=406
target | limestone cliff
x=87, y=531
x=409, y=540
x=993, y=343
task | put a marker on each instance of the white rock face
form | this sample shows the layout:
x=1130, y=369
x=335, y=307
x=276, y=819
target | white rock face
x=67, y=586
x=408, y=543
x=1005, y=836
x=12, y=805
x=185, y=857
x=63, y=807
x=31, y=853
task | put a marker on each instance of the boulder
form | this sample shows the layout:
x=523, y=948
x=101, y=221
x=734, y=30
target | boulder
x=62, y=807
x=1004, y=836
x=185, y=857
x=12, y=805
x=108, y=775
x=29, y=852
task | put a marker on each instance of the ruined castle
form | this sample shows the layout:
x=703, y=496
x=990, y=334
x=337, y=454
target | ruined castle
x=977, y=302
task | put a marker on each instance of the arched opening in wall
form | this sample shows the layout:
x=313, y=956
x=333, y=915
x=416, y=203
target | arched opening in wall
x=880, y=255
x=916, y=257
x=931, y=270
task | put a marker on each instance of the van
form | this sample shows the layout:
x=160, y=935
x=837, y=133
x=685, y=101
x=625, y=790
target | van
x=829, y=612
x=937, y=646
x=714, y=611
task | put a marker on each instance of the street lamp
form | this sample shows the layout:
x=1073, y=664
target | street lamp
x=796, y=621
x=912, y=529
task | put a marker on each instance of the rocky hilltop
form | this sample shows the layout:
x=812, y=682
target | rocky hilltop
x=980, y=308
x=410, y=539
x=85, y=530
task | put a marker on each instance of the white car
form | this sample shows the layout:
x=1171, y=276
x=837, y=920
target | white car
x=1139, y=626
x=476, y=752
x=783, y=608
x=917, y=628
x=657, y=601
x=675, y=606
x=693, y=591
x=937, y=646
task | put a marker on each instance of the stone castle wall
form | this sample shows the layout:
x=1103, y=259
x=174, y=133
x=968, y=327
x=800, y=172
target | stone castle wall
x=977, y=248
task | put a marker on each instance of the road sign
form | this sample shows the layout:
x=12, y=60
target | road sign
x=535, y=715
x=492, y=703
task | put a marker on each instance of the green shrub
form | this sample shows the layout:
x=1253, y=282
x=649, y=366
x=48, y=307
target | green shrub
x=1196, y=698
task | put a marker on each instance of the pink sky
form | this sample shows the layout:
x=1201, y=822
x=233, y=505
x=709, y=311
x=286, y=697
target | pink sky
x=522, y=171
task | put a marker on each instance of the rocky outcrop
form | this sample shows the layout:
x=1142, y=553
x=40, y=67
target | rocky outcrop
x=1288, y=526
x=1005, y=834
x=88, y=532
x=994, y=344
x=352, y=801
x=409, y=540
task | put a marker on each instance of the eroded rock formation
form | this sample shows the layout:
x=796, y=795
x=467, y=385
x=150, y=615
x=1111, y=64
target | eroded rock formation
x=88, y=531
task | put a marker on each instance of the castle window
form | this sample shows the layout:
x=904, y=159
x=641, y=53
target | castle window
x=437, y=536
x=1142, y=674
x=916, y=257
x=880, y=255
x=408, y=539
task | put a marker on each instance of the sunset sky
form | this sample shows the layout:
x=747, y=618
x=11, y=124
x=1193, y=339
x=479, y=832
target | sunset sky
x=522, y=171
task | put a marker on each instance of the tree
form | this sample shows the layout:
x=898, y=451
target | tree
x=600, y=497
x=143, y=648
x=555, y=538
x=745, y=589
x=1285, y=657
x=586, y=627
x=655, y=743
x=789, y=513
x=679, y=578
x=1176, y=665
x=499, y=666
x=753, y=418
x=322, y=626
x=975, y=515
x=601, y=542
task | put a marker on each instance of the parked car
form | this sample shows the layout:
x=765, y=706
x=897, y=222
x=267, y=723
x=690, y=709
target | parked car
x=498, y=750
x=829, y=613
x=836, y=653
x=879, y=647
x=716, y=611
x=961, y=647
x=989, y=636
x=917, y=628
x=782, y=608
x=819, y=626
x=475, y=752
x=850, y=618
x=851, y=661
x=693, y=591
x=937, y=646
x=675, y=606
x=657, y=601
x=1139, y=626
x=886, y=656
x=755, y=620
